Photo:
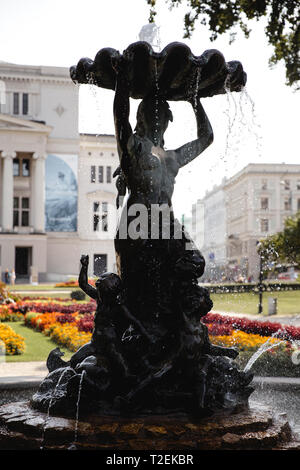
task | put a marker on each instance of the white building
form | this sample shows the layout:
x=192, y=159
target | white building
x=210, y=224
x=249, y=206
x=51, y=178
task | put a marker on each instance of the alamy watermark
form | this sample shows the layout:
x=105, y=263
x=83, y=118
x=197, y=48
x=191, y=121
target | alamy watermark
x=140, y=221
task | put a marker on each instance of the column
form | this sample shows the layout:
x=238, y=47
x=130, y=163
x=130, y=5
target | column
x=7, y=191
x=38, y=200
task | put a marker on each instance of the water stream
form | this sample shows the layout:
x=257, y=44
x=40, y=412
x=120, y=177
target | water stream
x=49, y=407
x=262, y=349
x=73, y=445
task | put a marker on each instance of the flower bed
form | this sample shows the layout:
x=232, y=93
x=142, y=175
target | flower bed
x=52, y=307
x=14, y=343
x=68, y=335
x=7, y=314
x=243, y=341
x=71, y=330
x=70, y=324
x=266, y=328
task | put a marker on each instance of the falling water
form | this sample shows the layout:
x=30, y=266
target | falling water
x=255, y=127
x=150, y=33
x=230, y=121
x=156, y=117
x=262, y=349
x=243, y=130
x=49, y=407
x=73, y=446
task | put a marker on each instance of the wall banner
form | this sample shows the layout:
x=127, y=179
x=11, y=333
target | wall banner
x=61, y=193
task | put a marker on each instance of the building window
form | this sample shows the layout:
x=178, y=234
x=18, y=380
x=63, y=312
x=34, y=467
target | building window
x=104, y=216
x=287, y=185
x=298, y=185
x=16, y=167
x=108, y=174
x=16, y=211
x=100, y=264
x=264, y=225
x=298, y=204
x=25, y=167
x=287, y=204
x=96, y=216
x=100, y=216
x=100, y=174
x=16, y=103
x=93, y=174
x=21, y=164
x=21, y=212
x=264, y=185
x=25, y=104
x=264, y=203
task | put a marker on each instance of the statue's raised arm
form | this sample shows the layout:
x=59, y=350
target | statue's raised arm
x=83, y=278
x=191, y=150
x=121, y=110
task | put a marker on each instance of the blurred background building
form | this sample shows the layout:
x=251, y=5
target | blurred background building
x=56, y=185
x=245, y=208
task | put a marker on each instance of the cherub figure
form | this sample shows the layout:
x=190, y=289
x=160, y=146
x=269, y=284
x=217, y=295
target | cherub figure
x=110, y=317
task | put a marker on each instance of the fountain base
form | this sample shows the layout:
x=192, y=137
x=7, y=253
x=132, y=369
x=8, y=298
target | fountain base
x=22, y=427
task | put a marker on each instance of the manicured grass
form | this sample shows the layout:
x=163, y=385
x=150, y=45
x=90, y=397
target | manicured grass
x=288, y=303
x=31, y=287
x=38, y=345
x=47, y=296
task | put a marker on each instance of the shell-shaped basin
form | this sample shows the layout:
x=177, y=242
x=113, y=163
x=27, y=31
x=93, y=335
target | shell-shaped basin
x=174, y=73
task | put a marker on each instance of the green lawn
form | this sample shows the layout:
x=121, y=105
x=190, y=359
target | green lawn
x=31, y=287
x=47, y=296
x=38, y=345
x=288, y=302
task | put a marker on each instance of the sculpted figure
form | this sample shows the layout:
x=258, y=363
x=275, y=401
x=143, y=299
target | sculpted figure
x=112, y=317
x=149, y=267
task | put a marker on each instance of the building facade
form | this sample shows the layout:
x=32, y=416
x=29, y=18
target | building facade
x=51, y=178
x=249, y=206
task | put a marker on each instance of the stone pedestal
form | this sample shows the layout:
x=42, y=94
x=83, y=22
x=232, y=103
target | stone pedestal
x=21, y=427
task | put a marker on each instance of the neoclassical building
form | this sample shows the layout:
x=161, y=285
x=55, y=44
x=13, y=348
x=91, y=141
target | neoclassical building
x=54, y=183
x=244, y=209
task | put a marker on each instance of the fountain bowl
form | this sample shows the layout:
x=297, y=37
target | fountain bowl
x=22, y=427
x=175, y=72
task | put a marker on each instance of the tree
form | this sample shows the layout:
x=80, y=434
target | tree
x=221, y=16
x=284, y=246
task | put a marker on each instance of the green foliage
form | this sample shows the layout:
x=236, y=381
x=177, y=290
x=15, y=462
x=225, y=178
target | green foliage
x=29, y=316
x=282, y=30
x=77, y=295
x=284, y=246
x=275, y=363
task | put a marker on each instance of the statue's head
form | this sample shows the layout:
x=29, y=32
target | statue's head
x=153, y=117
x=109, y=287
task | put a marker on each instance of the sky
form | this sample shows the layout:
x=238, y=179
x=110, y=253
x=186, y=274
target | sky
x=258, y=125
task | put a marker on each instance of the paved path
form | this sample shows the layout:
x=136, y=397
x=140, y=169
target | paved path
x=23, y=369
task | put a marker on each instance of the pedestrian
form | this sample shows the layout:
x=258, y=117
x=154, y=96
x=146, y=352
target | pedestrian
x=13, y=277
x=6, y=276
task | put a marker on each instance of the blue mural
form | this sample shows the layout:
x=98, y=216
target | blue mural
x=61, y=193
